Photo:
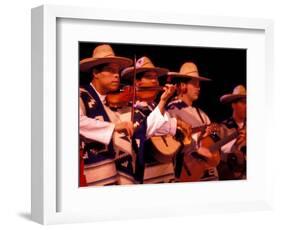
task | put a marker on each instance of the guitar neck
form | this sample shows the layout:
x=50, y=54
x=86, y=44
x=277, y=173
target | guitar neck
x=223, y=141
x=198, y=128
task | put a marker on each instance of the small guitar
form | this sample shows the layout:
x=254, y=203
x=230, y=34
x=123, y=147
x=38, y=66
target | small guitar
x=165, y=147
x=234, y=163
x=195, y=164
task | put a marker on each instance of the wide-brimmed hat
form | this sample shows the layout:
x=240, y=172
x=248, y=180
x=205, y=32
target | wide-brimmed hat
x=142, y=65
x=103, y=54
x=188, y=70
x=239, y=92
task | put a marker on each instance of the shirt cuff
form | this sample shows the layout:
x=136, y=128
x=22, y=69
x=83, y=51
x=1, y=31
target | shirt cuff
x=154, y=122
x=173, y=127
x=96, y=130
x=109, y=133
x=165, y=116
x=157, y=116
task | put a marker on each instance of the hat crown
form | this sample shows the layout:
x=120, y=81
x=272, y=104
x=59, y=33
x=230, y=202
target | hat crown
x=144, y=62
x=103, y=51
x=103, y=54
x=190, y=69
x=239, y=90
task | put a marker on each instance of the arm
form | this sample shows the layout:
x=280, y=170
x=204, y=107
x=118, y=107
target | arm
x=158, y=124
x=95, y=129
x=169, y=91
x=99, y=130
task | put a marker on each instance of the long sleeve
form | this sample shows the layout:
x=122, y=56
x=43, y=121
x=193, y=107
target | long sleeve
x=95, y=129
x=158, y=125
x=225, y=131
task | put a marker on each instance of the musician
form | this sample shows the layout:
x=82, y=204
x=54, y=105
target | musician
x=188, y=91
x=233, y=156
x=152, y=120
x=96, y=124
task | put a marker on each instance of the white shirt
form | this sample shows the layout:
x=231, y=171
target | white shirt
x=95, y=128
x=159, y=124
x=227, y=148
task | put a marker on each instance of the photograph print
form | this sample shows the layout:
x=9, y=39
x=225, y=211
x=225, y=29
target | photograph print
x=151, y=114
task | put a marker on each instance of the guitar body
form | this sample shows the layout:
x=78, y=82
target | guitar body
x=194, y=164
x=208, y=142
x=234, y=168
x=193, y=168
x=164, y=147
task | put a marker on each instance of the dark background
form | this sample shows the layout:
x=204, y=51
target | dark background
x=225, y=66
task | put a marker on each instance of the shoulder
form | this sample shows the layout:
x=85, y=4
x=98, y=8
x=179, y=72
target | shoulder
x=202, y=113
x=142, y=110
x=141, y=105
x=176, y=104
x=83, y=91
x=86, y=96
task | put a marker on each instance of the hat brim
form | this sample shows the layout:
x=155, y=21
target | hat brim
x=228, y=98
x=88, y=63
x=172, y=75
x=128, y=73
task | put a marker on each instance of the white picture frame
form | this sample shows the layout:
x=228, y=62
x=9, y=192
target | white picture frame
x=48, y=176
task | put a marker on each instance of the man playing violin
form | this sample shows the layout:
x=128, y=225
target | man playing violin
x=233, y=160
x=150, y=119
x=199, y=167
x=96, y=124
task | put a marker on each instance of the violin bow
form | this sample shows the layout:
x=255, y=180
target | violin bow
x=134, y=90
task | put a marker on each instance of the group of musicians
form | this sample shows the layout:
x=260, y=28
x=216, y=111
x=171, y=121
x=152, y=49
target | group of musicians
x=147, y=133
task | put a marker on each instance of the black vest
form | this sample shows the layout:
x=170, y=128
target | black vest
x=95, y=151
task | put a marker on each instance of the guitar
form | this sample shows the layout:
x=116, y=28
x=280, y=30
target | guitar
x=195, y=164
x=165, y=147
x=234, y=163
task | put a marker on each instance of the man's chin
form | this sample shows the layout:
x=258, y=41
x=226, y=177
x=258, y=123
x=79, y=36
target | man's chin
x=113, y=88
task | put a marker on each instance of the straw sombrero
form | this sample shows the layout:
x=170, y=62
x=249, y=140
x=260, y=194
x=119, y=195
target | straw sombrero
x=142, y=65
x=188, y=70
x=239, y=92
x=101, y=55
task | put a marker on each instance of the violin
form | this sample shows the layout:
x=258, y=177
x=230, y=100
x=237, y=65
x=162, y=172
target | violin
x=144, y=92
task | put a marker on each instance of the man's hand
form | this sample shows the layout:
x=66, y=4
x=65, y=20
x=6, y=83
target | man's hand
x=210, y=129
x=213, y=159
x=169, y=90
x=241, y=138
x=204, y=152
x=124, y=126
